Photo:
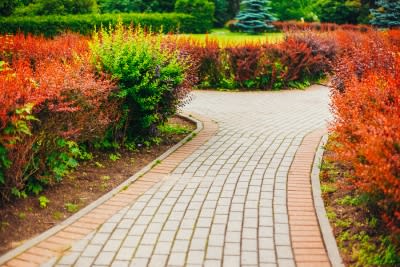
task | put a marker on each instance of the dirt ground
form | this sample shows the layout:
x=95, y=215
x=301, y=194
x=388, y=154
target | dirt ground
x=24, y=219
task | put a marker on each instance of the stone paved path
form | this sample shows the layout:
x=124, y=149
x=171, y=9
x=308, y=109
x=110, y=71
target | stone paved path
x=226, y=203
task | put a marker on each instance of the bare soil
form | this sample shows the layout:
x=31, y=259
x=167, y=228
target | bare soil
x=24, y=219
x=357, y=227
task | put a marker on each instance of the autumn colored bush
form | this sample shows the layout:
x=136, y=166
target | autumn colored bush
x=318, y=27
x=305, y=56
x=244, y=62
x=366, y=105
x=297, y=61
x=51, y=100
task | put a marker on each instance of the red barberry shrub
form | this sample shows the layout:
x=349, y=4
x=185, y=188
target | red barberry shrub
x=302, y=57
x=36, y=48
x=243, y=61
x=366, y=105
x=49, y=103
x=318, y=27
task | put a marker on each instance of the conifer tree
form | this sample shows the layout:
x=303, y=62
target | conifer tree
x=254, y=16
x=387, y=15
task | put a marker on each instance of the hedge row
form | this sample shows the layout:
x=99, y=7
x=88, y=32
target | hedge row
x=297, y=61
x=318, y=26
x=84, y=24
x=366, y=105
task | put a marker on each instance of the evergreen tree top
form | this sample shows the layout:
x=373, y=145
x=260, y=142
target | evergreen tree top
x=387, y=14
x=255, y=16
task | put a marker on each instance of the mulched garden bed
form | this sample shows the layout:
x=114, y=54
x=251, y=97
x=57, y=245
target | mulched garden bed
x=23, y=218
x=361, y=235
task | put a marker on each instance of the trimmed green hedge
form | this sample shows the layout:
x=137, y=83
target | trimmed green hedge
x=84, y=24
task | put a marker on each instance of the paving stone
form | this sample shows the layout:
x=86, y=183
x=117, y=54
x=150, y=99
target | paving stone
x=181, y=246
x=131, y=241
x=249, y=245
x=212, y=263
x=104, y=258
x=158, y=260
x=195, y=257
x=69, y=259
x=231, y=261
x=163, y=247
x=249, y=257
x=92, y=250
x=84, y=261
x=118, y=263
x=284, y=252
x=177, y=259
x=139, y=262
x=232, y=249
x=125, y=254
x=216, y=240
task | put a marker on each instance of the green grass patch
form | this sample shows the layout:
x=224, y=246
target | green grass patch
x=225, y=37
x=171, y=129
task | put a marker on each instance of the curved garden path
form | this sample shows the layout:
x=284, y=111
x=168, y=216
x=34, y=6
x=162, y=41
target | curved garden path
x=238, y=194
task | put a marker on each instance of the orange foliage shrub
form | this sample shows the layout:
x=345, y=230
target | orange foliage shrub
x=366, y=105
x=318, y=27
x=300, y=57
x=66, y=98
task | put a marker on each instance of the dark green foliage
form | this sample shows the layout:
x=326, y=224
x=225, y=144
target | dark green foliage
x=113, y=6
x=149, y=77
x=7, y=7
x=221, y=12
x=85, y=24
x=342, y=11
x=255, y=16
x=295, y=9
x=57, y=7
x=201, y=10
x=233, y=8
x=387, y=15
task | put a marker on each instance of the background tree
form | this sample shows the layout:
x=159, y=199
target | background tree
x=342, y=11
x=345, y=11
x=7, y=7
x=255, y=16
x=115, y=6
x=221, y=12
x=233, y=8
x=296, y=9
x=57, y=7
x=387, y=14
x=201, y=10
x=112, y=6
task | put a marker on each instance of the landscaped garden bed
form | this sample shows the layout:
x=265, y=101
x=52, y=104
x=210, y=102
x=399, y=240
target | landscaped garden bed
x=25, y=218
x=73, y=104
x=360, y=171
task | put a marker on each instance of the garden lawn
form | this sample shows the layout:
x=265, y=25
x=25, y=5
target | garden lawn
x=226, y=37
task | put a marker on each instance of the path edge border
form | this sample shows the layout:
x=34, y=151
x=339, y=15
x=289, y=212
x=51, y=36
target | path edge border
x=325, y=227
x=55, y=229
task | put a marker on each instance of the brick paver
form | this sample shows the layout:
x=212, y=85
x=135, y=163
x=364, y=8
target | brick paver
x=238, y=194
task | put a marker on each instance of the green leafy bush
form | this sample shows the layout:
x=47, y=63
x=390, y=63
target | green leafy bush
x=201, y=10
x=112, y=6
x=150, y=78
x=56, y=7
x=7, y=7
x=85, y=24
